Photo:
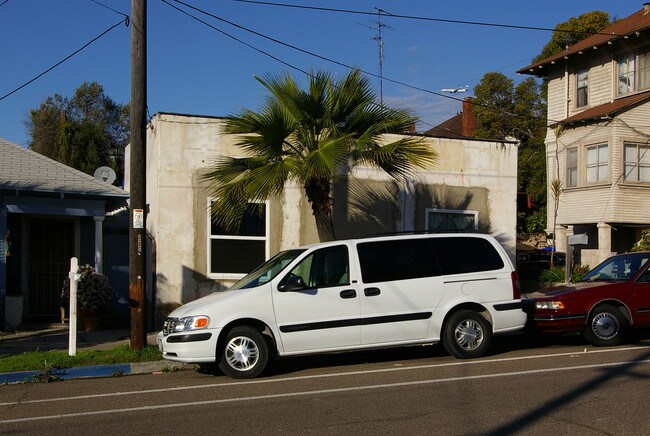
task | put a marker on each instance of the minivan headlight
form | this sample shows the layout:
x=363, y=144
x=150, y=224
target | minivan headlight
x=553, y=305
x=189, y=323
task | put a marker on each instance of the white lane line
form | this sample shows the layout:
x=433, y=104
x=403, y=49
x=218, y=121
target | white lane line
x=318, y=392
x=318, y=376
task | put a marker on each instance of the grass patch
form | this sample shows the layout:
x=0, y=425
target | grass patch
x=37, y=360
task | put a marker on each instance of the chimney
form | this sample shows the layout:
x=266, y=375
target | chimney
x=411, y=128
x=468, y=118
x=646, y=8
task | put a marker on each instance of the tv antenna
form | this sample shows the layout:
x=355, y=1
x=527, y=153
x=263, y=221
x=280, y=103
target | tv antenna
x=379, y=26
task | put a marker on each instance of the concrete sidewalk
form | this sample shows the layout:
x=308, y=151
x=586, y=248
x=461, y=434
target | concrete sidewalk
x=54, y=337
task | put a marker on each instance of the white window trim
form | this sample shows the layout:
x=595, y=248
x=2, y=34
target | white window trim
x=597, y=164
x=450, y=211
x=576, y=167
x=211, y=237
x=637, y=163
x=578, y=88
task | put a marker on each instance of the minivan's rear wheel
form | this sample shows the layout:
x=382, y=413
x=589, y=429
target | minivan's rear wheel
x=467, y=335
x=245, y=353
x=606, y=326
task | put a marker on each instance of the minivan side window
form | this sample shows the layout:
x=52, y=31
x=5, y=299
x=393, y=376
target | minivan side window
x=325, y=267
x=465, y=255
x=383, y=261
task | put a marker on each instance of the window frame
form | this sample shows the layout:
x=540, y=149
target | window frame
x=582, y=89
x=211, y=237
x=573, y=169
x=597, y=164
x=636, y=164
x=637, y=71
x=473, y=213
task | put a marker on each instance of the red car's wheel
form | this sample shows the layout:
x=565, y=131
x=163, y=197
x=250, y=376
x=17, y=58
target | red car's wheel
x=606, y=326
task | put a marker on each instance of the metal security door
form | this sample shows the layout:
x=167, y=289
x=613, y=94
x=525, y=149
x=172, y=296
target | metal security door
x=50, y=247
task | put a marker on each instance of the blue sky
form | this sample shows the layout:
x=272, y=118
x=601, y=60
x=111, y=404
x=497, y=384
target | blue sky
x=194, y=69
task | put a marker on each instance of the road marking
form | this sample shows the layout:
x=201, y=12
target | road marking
x=316, y=376
x=319, y=392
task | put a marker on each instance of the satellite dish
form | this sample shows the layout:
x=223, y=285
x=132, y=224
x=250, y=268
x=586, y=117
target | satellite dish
x=105, y=174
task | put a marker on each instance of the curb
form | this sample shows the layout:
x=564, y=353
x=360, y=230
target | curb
x=115, y=370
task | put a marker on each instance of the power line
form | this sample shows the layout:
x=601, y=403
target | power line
x=229, y=35
x=413, y=17
x=125, y=21
x=292, y=47
x=107, y=7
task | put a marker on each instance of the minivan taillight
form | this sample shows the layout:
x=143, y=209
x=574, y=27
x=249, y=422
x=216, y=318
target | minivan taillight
x=516, y=286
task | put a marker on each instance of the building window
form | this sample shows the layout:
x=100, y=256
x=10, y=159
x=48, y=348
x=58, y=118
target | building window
x=231, y=254
x=572, y=167
x=582, y=98
x=447, y=221
x=597, y=163
x=633, y=71
x=637, y=162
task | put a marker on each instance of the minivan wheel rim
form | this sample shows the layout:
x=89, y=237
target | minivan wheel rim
x=241, y=353
x=605, y=325
x=469, y=334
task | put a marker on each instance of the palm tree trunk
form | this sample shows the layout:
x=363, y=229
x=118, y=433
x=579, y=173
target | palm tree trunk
x=318, y=193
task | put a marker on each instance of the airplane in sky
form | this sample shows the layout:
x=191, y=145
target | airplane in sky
x=455, y=90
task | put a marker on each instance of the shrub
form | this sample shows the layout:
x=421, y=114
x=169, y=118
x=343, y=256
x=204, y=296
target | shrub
x=556, y=274
x=644, y=243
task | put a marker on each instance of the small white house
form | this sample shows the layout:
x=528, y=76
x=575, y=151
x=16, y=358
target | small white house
x=471, y=188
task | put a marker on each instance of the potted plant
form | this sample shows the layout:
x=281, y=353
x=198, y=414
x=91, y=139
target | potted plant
x=94, y=294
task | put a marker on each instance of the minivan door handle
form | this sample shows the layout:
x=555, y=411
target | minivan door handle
x=371, y=292
x=348, y=293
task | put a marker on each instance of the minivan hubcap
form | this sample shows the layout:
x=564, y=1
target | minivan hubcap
x=605, y=325
x=469, y=334
x=241, y=353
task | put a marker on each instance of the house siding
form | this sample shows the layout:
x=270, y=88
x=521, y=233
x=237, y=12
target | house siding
x=613, y=201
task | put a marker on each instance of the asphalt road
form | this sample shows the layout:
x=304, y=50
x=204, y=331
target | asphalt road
x=557, y=386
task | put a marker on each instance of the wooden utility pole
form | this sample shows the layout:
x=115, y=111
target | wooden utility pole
x=137, y=169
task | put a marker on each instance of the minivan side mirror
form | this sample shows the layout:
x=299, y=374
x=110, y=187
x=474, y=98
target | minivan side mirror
x=294, y=283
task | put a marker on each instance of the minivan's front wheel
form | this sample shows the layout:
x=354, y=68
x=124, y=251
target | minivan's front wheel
x=245, y=353
x=467, y=335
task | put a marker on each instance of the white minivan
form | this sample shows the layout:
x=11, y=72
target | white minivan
x=458, y=289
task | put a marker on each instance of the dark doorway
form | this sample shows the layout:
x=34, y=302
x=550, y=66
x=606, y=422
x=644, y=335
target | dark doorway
x=49, y=249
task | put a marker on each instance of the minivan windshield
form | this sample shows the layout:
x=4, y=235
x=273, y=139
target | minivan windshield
x=267, y=271
x=618, y=268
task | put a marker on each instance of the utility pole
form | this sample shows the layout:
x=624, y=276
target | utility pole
x=138, y=188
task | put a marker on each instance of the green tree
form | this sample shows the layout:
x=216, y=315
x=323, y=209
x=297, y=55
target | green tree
x=312, y=137
x=504, y=111
x=573, y=30
x=85, y=131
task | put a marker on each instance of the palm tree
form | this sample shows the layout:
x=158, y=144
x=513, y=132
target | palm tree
x=310, y=136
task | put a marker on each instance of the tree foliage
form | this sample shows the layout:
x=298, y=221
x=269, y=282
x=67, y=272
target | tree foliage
x=85, y=131
x=312, y=137
x=573, y=30
x=505, y=111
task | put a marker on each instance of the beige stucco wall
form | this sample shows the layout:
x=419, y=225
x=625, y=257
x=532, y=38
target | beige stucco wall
x=469, y=175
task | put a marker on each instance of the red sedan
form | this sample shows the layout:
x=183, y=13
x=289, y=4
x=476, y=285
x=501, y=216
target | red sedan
x=609, y=300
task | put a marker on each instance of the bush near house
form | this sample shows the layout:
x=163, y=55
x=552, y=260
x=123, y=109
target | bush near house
x=556, y=274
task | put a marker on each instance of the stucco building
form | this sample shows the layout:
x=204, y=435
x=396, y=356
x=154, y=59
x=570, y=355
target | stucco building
x=471, y=188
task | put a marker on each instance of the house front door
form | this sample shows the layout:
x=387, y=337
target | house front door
x=49, y=249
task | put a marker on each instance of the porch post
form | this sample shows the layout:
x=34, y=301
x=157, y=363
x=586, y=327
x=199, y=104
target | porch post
x=99, y=244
